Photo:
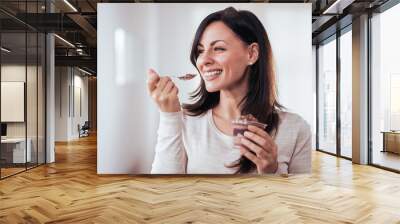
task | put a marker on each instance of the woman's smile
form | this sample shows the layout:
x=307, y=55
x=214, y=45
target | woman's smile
x=212, y=74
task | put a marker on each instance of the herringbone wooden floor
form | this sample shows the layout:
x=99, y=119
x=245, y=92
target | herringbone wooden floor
x=70, y=191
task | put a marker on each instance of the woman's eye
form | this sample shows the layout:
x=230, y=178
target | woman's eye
x=219, y=49
x=199, y=51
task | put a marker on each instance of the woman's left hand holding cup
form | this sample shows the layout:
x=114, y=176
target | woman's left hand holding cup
x=259, y=147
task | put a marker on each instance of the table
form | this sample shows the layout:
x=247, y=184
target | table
x=13, y=150
x=391, y=141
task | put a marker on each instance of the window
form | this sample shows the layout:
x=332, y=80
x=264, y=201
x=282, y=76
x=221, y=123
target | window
x=346, y=94
x=385, y=89
x=327, y=97
x=22, y=77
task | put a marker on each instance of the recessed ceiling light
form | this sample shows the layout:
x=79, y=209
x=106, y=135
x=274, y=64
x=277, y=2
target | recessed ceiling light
x=84, y=71
x=64, y=40
x=338, y=6
x=70, y=5
x=5, y=50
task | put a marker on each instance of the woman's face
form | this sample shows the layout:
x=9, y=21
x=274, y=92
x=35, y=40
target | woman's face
x=222, y=58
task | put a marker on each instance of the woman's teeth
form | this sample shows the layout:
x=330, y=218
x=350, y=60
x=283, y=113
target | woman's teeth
x=212, y=73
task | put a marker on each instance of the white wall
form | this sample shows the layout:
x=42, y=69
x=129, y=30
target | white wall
x=61, y=103
x=79, y=117
x=135, y=37
x=67, y=81
x=15, y=73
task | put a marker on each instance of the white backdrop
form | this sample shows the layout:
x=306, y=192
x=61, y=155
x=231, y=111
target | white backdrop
x=135, y=37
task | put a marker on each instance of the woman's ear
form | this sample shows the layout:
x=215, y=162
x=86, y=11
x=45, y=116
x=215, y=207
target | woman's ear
x=253, y=53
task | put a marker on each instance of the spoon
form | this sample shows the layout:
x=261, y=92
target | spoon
x=187, y=76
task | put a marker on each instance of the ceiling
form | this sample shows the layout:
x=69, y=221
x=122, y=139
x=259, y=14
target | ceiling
x=77, y=22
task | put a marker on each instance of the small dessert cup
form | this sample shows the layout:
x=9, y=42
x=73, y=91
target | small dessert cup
x=241, y=125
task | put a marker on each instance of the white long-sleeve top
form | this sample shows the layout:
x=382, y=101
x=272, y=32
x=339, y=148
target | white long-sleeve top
x=194, y=145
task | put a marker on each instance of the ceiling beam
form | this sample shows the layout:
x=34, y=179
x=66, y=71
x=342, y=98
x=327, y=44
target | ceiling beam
x=84, y=24
x=84, y=61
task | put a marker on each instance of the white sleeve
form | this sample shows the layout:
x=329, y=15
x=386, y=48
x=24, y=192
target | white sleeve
x=170, y=155
x=301, y=158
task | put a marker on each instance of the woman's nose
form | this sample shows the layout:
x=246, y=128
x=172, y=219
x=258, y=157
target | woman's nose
x=205, y=59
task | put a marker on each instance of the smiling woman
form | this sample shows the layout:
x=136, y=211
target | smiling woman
x=233, y=56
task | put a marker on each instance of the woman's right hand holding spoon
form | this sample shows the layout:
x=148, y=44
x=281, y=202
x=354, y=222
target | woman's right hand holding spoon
x=163, y=91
